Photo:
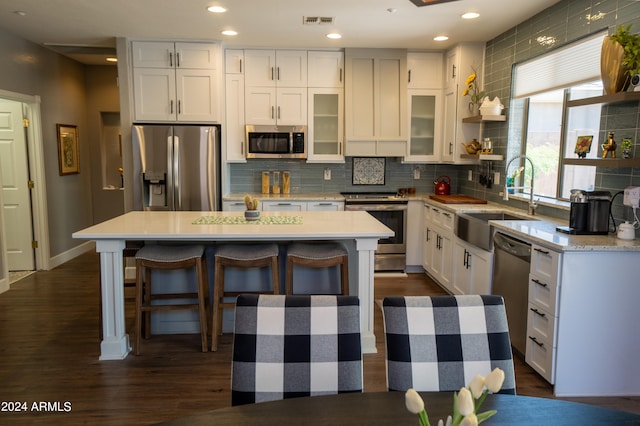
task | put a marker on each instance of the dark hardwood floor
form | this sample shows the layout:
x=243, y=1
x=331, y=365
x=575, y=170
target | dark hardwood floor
x=49, y=347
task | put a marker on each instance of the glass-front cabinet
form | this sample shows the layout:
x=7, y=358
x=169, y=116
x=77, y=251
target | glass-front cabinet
x=424, y=126
x=325, y=125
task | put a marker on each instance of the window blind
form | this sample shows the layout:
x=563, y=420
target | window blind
x=566, y=66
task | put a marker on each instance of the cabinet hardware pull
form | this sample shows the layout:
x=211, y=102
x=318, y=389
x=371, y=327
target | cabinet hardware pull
x=450, y=148
x=171, y=107
x=278, y=112
x=539, y=283
x=469, y=259
x=179, y=107
x=446, y=214
x=178, y=59
x=242, y=150
x=170, y=59
x=428, y=234
x=324, y=204
x=340, y=147
x=240, y=66
x=341, y=75
x=453, y=71
x=409, y=76
x=271, y=73
x=284, y=204
x=436, y=210
x=541, y=251
x=534, y=340
x=272, y=112
x=535, y=311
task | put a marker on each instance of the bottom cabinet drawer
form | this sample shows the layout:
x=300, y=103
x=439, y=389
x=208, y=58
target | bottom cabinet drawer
x=541, y=323
x=541, y=356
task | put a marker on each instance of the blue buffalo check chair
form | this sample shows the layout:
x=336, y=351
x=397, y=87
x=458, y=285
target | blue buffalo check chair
x=440, y=343
x=294, y=346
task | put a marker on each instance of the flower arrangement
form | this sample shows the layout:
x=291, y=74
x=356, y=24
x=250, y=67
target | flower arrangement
x=472, y=91
x=465, y=411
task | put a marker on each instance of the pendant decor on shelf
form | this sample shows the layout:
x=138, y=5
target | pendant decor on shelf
x=612, y=70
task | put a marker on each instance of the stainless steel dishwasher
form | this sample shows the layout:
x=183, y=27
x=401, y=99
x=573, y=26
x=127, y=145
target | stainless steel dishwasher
x=512, y=258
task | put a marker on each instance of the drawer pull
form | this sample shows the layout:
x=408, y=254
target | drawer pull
x=534, y=340
x=541, y=314
x=539, y=283
x=447, y=214
x=541, y=251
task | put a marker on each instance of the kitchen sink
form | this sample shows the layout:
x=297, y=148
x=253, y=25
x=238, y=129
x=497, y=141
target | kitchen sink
x=475, y=228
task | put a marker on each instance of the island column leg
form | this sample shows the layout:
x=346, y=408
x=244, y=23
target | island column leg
x=366, y=248
x=115, y=342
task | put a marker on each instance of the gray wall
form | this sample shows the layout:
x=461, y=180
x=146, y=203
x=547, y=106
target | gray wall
x=566, y=21
x=60, y=83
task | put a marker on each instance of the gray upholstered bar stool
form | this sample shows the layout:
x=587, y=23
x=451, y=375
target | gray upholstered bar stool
x=319, y=255
x=239, y=256
x=169, y=258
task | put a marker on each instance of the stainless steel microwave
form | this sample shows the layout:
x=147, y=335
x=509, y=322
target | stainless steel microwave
x=276, y=141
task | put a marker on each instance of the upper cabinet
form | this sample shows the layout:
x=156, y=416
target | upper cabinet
x=460, y=62
x=325, y=124
x=424, y=80
x=275, y=87
x=176, y=81
x=376, y=102
x=271, y=68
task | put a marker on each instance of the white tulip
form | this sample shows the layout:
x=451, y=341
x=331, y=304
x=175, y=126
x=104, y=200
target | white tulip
x=465, y=402
x=470, y=420
x=414, y=402
x=494, y=380
x=448, y=423
x=477, y=386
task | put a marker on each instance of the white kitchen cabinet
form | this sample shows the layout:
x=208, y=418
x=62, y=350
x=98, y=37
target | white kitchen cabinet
x=276, y=68
x=424, y=70
x=283, y=206
x=472, y=269
x=325, y=69
x=376, y=102
x=437, y=245
x=235, y=121
x=286, y=106
x=233, y=206
x=542, y=317
x=176, y=82
x=325, y=128
x=153, y=54
x=317, y=206
x=425, y=138
x=234, y=61
x=460, y=62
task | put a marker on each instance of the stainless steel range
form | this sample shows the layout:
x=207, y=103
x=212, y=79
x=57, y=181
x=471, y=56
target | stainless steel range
x=390, y=209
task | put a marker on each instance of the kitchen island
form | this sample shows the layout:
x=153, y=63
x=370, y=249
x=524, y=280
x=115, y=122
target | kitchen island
x=359, y=231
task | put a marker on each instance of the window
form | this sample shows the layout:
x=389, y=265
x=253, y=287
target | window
x=539, y=127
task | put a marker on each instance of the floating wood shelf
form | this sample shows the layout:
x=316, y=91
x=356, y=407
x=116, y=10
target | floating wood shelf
x=616, y=163
x=480, y=118
x=605, y=99
x=487, y=157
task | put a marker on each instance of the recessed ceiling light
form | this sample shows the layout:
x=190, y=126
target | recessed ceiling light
x=441, y=38
x=392, y=10
x=230, y=32
x=112, y=59
x=470, y=15
x=216, y=9
x=20, y=13
x=334, y=36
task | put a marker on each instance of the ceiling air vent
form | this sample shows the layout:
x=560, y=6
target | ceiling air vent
x=317, y=20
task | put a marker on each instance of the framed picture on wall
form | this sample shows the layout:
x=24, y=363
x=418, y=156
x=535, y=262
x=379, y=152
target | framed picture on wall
x=68, y=156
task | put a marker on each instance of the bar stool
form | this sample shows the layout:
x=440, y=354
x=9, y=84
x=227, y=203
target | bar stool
x=239, y=256
x=321, y=255
x=169, y=258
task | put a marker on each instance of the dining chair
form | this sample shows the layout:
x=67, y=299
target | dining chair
x=440, y=343
x=288, y=346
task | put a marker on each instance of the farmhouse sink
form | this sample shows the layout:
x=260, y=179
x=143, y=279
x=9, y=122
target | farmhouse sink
x=475, y=228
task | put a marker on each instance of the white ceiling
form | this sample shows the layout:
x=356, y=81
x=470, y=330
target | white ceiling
x=274, y=23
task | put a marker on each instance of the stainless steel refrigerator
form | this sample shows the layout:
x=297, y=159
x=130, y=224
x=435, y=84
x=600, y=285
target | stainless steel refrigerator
x=176, y=167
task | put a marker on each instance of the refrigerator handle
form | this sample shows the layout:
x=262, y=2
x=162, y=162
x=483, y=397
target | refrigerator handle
x=177, y=199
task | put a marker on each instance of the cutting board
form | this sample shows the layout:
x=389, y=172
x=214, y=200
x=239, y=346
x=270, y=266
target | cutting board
x=457, y=199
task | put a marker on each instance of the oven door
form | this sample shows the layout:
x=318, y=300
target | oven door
x=393, y=216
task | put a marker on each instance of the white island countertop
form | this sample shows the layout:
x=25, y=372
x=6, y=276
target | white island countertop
x=166, y=225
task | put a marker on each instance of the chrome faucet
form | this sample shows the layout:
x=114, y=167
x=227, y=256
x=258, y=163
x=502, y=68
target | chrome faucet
x=505, y=195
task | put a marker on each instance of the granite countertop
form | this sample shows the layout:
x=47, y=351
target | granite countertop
x=542, y=230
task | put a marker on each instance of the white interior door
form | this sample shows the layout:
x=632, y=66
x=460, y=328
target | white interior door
x=15, y=187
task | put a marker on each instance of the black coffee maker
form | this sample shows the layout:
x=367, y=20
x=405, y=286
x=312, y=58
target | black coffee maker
x=589, y=214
